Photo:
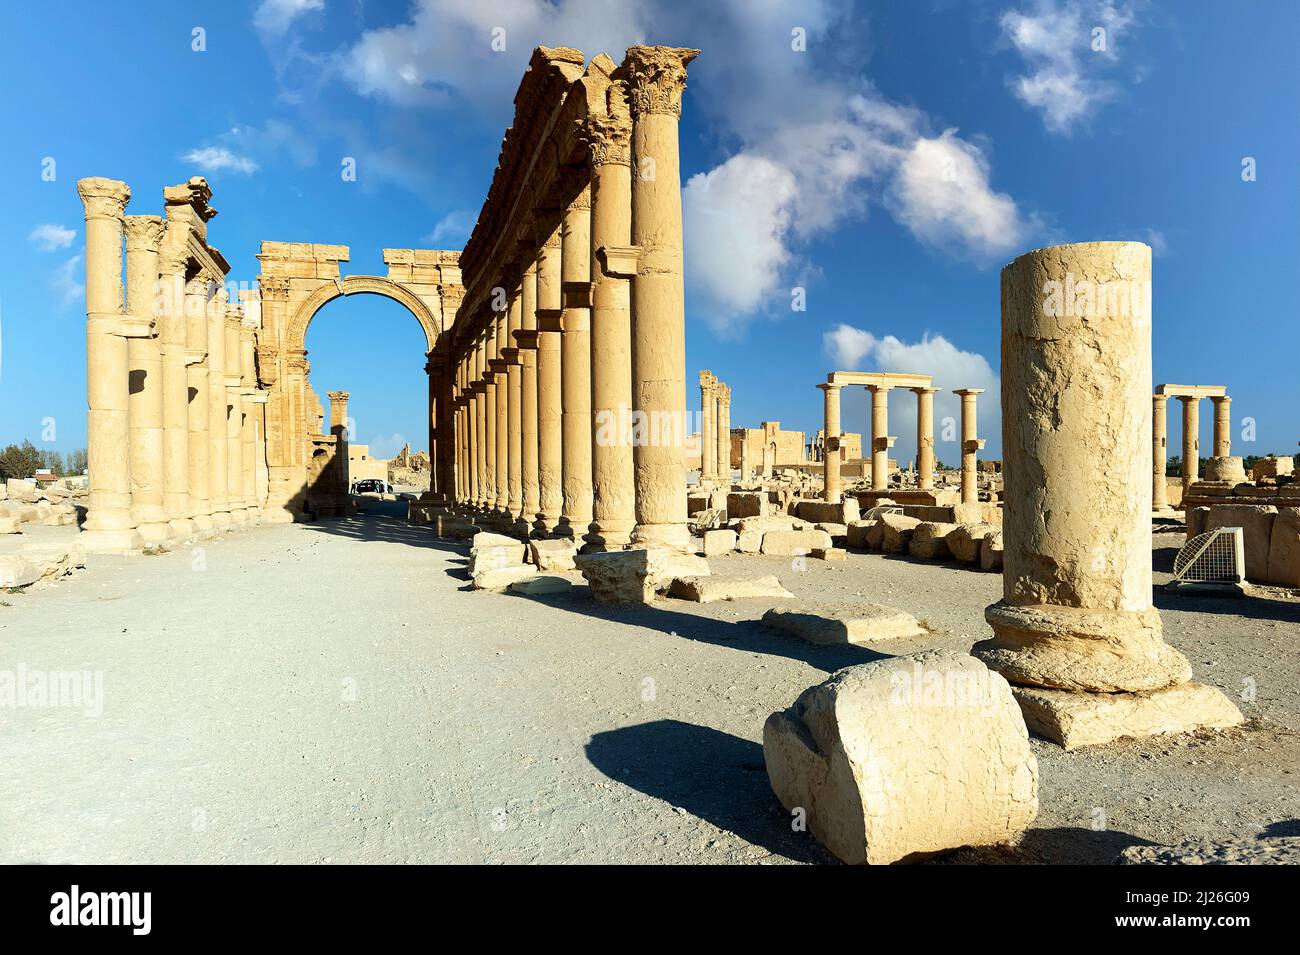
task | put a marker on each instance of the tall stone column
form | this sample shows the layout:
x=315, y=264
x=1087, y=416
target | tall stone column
x=448, y=367
x=490, y=443
x=550, y=387
x=575, y=366
x=1159, y=453
x=235, y=417
x=501, y=380
x=831, y=452
x=724, y=435
x=339, y=428
x=175, y=385
x=478, y=437
x=970, y=445
x=746, y=468
x=109, y=524
x=515, y=408
x=708, y=444
x=196, y=336
x=614, y=265
x=881, y=441
x=1222, y=425
x=925, y=437
x=1075, y=628
x=143, y=235
x=1191, y=440
x=218, y=411
x=656, y=77
x=526, y=339
x=251, y=399
x=485, y=434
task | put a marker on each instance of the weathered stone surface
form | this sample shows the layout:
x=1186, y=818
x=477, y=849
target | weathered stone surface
x=965, y=540
x=484, y=558
x=1088, y=719
x=489, y=539
x=875, y=536
x=991, y=552
x=1230, y=469
x=794, y=543
x=858, y=623
x=1284, y=549
x=536, y=586
x=822, y=512
x=900, y=759
x=856, y=534
x=501, y=577
x=839, y=532
x=20, y=490
x=1256, y=522
x=930, y=540
x=1195, y=519
x=553, y=554
x=1272, y=467
x=746, y=504
x=719, y=542
x=635, y=576
x=10, y=524
x=975, y=512
x=830, y=553
x=727, y=587
x=17, y=571
x=897, y=535
x=1259, y=850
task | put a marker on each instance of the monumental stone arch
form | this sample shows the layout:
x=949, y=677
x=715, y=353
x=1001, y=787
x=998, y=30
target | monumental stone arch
x=297, y=279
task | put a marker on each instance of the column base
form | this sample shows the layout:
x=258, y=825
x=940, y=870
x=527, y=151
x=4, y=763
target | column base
x=670, y=536
x=182, y=528
x=205, y=527
x=1076, y=648
x=239, y=517
x=1165, y=511
x=610, y=535
x=154, y=534
x=1073, y=720
x=222, y=520
x=125, y=541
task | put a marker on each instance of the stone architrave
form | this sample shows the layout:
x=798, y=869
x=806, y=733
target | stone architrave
x=1075, y=623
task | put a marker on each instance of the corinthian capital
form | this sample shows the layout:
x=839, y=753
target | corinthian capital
x=609, y=135
x=143, y=233
x=273, y=287
x=656, y=77
x=103, y=198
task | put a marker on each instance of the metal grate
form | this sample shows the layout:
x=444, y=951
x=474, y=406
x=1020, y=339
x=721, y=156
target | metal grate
x=1215, y=557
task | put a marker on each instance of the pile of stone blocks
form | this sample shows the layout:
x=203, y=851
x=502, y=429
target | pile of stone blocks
x=637, y=576
x=498, y=562
x=33, y=563
x=24, y=502
x=972, y=540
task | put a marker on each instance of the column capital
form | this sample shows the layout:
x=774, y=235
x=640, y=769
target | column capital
x=1160, y=399
x=927, y=390
x=274, y=288
x=103, y=198
x=879, y=389
x=656, y=78
x=830, y=386
x=143, y=233
x=964, y=392
x=608, y=136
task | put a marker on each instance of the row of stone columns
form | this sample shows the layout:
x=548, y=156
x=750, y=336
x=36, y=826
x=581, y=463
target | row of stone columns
x=172, y=435
x=1191, y=453
x=715, y=429
x=569, y=412
x=882, y=441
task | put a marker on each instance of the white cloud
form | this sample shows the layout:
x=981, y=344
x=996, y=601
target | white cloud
x=274, y=17
x=1159, y=244
x=856, y=349
x=453, y=228
x=66, y=282
x=384, y=447
x=217, y=158
x=1063, y=54
x=51, y=237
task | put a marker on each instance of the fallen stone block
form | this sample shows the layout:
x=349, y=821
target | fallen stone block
x=794, y=543
x=1075, y=719
x=822, y=512
x=20, y=490
x=538, y=586
x=501, y=577
x=1284, y=549
x=17, y=571
x=10, y=524
x=855, y=534
x=636, y=576
x=966, y=540
x=553, y=554
x=991, y=552
x=1249, y=850
x=930, y=541
x=719, y=542
x=484, y=557
x=727, y=587
x=839, y=532
x=489, y=539
x=1256, y=523
x=746, y=504
x=861, y=624
x=898, y=530
x=830, y=553
x=903, y=758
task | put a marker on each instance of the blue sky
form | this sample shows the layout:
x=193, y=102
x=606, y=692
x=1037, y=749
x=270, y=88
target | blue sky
x=889, y=168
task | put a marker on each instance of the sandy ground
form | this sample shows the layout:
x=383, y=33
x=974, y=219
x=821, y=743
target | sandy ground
x=334, y=693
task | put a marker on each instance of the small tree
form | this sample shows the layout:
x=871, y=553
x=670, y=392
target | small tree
x=19, y=460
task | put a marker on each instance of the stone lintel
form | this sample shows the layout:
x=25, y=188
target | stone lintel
x=1192, y=391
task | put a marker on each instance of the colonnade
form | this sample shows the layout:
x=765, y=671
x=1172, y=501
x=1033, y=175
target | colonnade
x=1190, y=396
x=715, y=429
x=174, y=423
x=566, y=408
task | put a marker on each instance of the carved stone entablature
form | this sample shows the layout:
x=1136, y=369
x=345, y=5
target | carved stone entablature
x=274, y=288
x=103, y=198
x=609, y=138
x=143, y=233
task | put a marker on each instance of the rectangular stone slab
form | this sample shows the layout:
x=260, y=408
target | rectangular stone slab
x=1074, y=719
x=860, y=624
x=725, y=587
